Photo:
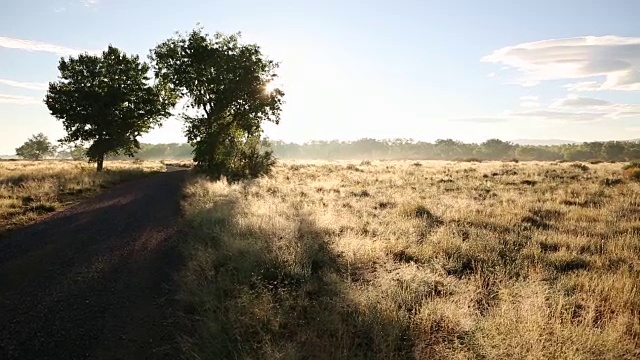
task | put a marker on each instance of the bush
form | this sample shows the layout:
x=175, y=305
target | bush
x=632, y=174
x=632, y=165
x=471, y=159
x=580, y=166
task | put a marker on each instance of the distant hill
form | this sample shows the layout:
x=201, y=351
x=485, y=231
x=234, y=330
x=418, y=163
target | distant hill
x=543, y=142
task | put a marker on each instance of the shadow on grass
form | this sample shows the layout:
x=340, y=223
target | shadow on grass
x=251, y=292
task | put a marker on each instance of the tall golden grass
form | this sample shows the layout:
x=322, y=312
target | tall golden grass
x=427, y=260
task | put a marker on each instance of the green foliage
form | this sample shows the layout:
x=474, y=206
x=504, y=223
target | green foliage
x=106, y=100
x=36, y=147
x=78, y=152
x=537, y=153
x=495, y=149
x=614, y=150
x=225, y=84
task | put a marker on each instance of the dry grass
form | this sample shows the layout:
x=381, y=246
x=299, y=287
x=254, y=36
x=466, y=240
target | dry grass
x=429, y=260
x=30, y=189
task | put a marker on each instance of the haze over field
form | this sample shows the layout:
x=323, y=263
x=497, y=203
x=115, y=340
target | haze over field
x=409, y=69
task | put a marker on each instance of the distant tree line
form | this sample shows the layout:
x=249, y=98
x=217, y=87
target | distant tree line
x=406, y=149
x=38, y=147
x=448, y=149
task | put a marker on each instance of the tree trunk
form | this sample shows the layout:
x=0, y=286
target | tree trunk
x=100, y=162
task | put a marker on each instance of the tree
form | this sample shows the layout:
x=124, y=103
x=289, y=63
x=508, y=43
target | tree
x=540, y=153
x=106, y=100
x=614, y=150
x=225, y=85
x=78, y=152
x=448, y=148
x=36, y=148
x=497, y=149
x=578, y=153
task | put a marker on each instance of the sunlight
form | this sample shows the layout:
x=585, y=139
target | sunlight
x=270, y=86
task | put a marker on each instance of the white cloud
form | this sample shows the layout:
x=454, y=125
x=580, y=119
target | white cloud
x=482, y=120
x=30, y=45
x=491, y=74
x=572, y=109
x=24, y=85
x=89, y=3
x=529, y=101
x=60, y=10
x=559, y=116
x=530, y=104
x=616, y=59
x=19, y=100
x=575, y=101
x=583, y=86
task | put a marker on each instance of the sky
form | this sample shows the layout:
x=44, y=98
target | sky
x=468, y=70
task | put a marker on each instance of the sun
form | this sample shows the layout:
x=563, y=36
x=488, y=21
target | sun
x=270, y=87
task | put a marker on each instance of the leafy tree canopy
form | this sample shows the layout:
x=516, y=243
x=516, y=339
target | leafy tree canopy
x=224, y=83
x=36, y=147
x=106, y=100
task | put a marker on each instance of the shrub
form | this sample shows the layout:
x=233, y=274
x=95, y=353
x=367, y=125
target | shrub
x=632, y=174
x=632, y=165
x=631, y=171
x=471, y=159
x=580, y=166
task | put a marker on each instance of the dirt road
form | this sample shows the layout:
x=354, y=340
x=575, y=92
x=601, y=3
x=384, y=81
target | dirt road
x=92, y=282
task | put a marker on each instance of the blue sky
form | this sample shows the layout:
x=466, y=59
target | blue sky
x=468, y=70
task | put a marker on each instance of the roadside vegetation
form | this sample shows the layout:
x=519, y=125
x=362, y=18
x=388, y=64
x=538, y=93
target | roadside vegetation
x=30, y=189
x=425, y=260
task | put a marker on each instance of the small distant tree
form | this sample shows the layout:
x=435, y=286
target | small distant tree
x=36, y=147
x=579, y=153
x=614, y=150
x=78, y=152
x=107, y=101
x=225, y=84
x=448, y=148
x=496, y=149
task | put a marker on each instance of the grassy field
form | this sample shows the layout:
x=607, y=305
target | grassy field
x=30, y=189
x=426, y=260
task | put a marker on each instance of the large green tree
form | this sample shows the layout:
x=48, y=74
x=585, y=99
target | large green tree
x=225, y=85
x=107, y=100
x=36, y=148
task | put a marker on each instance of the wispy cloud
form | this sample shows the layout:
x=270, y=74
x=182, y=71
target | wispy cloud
x=575, y=101
x=31, y=45
x=481, y=119
x=89, y=3
x=19, y=100
x=560, y=116
x=529, y=101
x=616, y=59
x=24, y=85
x=572, y=109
